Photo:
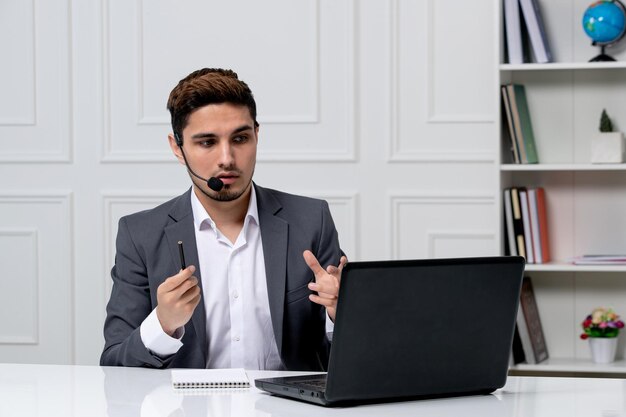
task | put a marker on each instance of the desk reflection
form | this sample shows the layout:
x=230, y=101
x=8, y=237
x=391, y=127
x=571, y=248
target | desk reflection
x=149, y=393
x=28, y=390
x=483, y=405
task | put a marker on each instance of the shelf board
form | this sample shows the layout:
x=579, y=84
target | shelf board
x=563, y=167
x=564, y=66
x=569, y=267
x=569, y=366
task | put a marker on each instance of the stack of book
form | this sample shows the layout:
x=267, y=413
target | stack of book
x=599, y=260
x=529, y=343
x=520, y=32
x=526, y=225
x=519, y=126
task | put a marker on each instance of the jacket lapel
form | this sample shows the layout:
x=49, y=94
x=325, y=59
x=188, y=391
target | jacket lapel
x=274, y=234
x=183, y=230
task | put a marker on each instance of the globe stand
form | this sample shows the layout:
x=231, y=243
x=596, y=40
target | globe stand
x=604, y=22
x=602, y=57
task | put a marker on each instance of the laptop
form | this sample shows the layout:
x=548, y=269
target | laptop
x=415, y=329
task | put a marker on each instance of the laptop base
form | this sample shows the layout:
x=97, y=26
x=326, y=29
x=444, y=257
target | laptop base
x=294, y=387
x=417, y=329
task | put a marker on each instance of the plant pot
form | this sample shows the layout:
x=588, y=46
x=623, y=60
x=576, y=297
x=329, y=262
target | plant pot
x=603, y=349
x=607, y=148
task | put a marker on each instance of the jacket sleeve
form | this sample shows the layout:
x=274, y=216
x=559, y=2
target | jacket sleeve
x=129, y=305
x=328, y=251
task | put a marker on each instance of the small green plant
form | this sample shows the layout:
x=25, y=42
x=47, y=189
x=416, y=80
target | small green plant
x=605, y=122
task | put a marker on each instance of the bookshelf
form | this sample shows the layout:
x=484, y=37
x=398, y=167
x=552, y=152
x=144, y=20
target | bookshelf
x=563, y=167
x=571, y=367
x=586, y=203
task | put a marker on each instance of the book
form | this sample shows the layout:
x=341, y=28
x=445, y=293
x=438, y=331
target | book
x=508, y=218
x=525, y=123
x=528, y=238
x=539, y=223
x=534, y=224
x=518, y=227
x=599, y=260
x=517, y=350
x=516, y=124
x=536, y=30
x=530, y=330
x=513, y=31
x=509, y=124
x=543, y=224
x=209, y=378
x=523, y=334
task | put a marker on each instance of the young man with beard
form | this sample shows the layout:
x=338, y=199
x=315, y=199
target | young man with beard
x=264, y=266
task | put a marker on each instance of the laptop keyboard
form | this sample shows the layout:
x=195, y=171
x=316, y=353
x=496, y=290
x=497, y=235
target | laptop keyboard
x=314, y=384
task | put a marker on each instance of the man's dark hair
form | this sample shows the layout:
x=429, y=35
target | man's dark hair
x=203, y=87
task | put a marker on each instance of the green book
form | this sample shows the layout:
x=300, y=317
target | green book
x=526, y=126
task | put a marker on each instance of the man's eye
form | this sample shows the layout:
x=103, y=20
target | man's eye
x=241, y=138
x=207, y=143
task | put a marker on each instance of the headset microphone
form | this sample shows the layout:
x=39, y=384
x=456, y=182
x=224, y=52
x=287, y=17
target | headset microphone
x=214, y=183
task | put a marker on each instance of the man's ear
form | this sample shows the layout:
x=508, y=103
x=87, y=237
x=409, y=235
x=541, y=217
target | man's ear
x=175, y=149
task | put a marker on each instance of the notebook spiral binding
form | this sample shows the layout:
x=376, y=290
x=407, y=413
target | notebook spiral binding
x=197, y=385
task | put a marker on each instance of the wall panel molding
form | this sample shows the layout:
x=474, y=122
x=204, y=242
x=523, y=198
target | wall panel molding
x=45, y=218
x=398, y=151
x=29, y=262
x=119, y=203
x=433, y=116
x=469, y=236
x=25, y=67
x=339, y=147
x=346, y=208
x=433, y=231
x=38, y=77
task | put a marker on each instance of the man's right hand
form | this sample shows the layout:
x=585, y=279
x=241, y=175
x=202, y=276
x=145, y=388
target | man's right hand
x=177, y=298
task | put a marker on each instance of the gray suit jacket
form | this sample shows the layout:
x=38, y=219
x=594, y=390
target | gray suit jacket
x=147, y=254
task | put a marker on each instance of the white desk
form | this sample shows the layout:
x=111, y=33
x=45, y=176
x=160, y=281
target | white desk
x=67, y=391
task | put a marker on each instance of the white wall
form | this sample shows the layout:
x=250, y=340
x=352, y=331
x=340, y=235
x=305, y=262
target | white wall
x=386, y=109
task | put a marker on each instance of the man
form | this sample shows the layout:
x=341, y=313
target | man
x=254, y=293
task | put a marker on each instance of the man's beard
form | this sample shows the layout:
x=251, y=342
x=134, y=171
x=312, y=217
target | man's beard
x=225, y=194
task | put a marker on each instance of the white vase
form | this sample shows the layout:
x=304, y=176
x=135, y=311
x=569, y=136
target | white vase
x=603, y=349
x=607, y=148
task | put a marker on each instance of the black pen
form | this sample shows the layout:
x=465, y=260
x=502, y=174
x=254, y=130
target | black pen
x=182, y=254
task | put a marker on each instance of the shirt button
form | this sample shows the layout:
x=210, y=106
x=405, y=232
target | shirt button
x=236, y=294
x=237, y=338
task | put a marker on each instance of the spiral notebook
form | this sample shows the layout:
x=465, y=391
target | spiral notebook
x=210, y=378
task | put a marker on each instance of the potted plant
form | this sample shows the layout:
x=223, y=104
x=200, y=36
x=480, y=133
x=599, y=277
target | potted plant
x=601, y=328
x=608, y=146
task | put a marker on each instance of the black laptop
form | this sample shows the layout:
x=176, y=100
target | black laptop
x=416, y=329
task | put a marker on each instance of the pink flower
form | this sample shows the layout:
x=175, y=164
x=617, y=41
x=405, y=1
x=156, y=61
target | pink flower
x=602, y=325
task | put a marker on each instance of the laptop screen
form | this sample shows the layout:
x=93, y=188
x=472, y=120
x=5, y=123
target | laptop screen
x=423, y=327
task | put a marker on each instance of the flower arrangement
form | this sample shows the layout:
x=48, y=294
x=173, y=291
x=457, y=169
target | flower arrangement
x=602, y=322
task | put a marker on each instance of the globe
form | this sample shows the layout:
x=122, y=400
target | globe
x=604, y=22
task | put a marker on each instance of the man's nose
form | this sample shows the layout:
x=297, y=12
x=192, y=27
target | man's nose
x=226, y=155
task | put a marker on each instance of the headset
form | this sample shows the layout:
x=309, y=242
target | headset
x=214, y=183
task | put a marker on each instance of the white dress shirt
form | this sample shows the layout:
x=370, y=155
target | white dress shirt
x=234, y=292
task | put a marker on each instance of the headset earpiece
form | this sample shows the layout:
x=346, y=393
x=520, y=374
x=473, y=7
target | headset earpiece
x=179, y=141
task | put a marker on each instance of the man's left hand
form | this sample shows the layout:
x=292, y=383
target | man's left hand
x=326, y=282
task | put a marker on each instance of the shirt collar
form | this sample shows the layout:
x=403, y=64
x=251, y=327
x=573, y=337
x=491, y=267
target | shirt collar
x=201, y=217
